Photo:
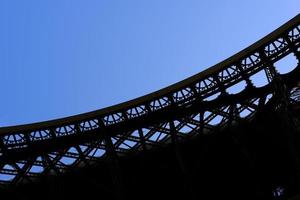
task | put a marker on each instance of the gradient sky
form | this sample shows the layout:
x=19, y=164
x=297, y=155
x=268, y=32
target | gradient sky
x=65, y=57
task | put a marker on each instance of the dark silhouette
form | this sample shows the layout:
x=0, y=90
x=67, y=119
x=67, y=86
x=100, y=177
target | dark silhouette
x=201, y=138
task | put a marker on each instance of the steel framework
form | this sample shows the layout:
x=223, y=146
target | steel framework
x=215, y=100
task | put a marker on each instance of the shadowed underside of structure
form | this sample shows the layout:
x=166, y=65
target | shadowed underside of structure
x=231, y=131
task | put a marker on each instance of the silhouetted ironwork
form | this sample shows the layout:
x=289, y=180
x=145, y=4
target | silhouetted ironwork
x=168, y=127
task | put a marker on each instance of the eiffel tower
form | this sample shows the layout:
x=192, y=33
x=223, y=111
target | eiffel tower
x=229, y=132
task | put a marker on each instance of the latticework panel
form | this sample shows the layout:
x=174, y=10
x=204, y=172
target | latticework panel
x=209, y=101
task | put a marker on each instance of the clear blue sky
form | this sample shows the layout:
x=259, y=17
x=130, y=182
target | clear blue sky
x=65, y=57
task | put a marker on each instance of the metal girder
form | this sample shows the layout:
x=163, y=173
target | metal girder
x=198, y=105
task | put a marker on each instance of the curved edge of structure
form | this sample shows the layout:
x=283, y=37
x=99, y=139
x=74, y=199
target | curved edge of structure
x=174, y=87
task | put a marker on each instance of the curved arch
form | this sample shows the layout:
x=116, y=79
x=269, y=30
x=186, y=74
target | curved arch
x=268, y=43
x=151, y=120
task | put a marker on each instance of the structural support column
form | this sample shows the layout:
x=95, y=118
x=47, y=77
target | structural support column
x=180, y=161
x=288, y=124
x=142, y=138
x=114, y=166
x=238, y=137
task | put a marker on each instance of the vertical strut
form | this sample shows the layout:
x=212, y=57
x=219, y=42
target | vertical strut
x=220, y=85
x=180, y=161
x=269, y=68
x=293, y=47
x=114, y=166
x=244, y=75
x=142, y=138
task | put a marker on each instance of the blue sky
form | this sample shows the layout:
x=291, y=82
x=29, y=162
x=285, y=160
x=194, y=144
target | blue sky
x=65, y=57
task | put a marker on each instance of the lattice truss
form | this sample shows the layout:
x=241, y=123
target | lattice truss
x=231, y=91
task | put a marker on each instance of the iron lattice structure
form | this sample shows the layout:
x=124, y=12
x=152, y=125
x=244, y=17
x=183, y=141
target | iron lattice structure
x=207, y=103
